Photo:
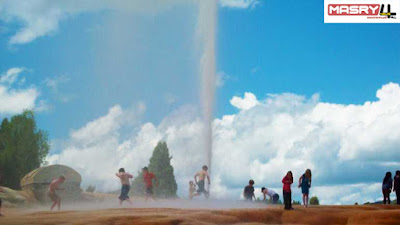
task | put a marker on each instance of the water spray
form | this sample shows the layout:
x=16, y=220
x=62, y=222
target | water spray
x=207, y=23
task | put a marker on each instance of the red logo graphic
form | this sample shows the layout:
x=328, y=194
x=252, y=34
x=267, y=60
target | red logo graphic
x=353, y=9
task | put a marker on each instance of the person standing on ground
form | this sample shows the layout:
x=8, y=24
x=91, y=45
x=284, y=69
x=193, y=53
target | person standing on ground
x=305, y=184
x=274, y=197
x=124, y=178
x=396, y=186
x=248, y=192
x=203, y=174
x=54, y=185
x=148, y=181
x=287, y=192
x=387, y=187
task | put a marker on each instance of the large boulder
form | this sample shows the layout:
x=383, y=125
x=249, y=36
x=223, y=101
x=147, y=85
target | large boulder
x=37, y=182
x=11, y=197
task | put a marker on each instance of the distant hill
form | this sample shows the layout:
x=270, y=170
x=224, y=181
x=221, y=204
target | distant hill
x=392, y=202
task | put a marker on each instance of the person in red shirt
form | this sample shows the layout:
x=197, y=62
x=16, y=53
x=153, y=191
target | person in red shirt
x=148, y=182
x=287, y=192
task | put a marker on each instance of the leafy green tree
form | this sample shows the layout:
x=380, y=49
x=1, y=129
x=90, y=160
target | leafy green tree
x=137, y=188
x=91, y=188
x=23, y=147
x=314, y=200
x=296, y=202
x=160, y=165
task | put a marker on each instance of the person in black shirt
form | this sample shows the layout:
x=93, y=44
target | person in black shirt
x=396, y=186
x=248, y=192
x=387, y=185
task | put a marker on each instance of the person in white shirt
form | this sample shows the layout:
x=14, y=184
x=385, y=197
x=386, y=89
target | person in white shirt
x=271, y=193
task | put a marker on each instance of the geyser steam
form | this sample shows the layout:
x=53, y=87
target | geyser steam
x=207, y=22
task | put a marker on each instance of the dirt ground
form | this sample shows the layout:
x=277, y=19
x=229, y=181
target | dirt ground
x=318, y=215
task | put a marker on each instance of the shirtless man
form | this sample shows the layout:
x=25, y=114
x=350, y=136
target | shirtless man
x=52, y=192
x=203, y=174
x=124, y=177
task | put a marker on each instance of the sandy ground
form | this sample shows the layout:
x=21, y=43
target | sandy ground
x=202, y=212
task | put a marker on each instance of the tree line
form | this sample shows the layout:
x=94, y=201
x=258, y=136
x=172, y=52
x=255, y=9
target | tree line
x=23, y=148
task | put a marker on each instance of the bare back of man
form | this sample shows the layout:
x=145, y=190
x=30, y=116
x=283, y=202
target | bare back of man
x=125, y=185
x=54, y=185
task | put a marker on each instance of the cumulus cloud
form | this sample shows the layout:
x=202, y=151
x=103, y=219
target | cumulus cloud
x=15, y=100
x=248, y=102
x=346, y=146
x=240, y=4
x=348, y=194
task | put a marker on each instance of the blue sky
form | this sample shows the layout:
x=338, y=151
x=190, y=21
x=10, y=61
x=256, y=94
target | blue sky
x=99, y=62
x=259, y=49
x=298, y=53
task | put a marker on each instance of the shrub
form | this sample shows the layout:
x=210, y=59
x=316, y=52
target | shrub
x=314, y=200
x=91, y=188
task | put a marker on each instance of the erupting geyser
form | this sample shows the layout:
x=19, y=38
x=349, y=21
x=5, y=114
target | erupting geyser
x=207, y=22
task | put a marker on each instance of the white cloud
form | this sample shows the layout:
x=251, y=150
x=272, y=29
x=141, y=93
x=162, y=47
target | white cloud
x=348, y=194
x=221, y=78
x=54, y=85
x=42, y=106
x=248, y=102
x=99, y=128
x=280, y=133
x=11, y=75
x=55, y=82
x=39, y=18
x=241, y=4
x=15, y=100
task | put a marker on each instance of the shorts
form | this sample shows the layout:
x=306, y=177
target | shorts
x=275, y=199
x=53, y=196
x=201, y=187
x=124, y=192
x=149, y=190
